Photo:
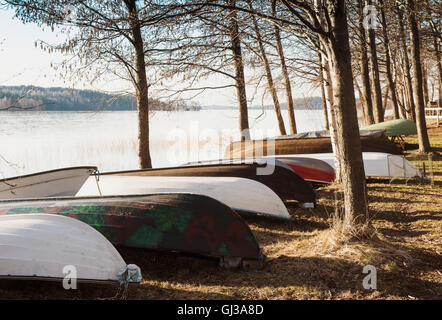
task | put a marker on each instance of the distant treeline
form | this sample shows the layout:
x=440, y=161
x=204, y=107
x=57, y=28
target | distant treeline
x=16, y=98
x=307, y=103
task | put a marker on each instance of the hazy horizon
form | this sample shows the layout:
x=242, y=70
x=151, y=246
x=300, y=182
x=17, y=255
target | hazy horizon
x=25, y=64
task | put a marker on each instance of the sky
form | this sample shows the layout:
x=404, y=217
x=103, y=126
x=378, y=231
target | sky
x=21, y=63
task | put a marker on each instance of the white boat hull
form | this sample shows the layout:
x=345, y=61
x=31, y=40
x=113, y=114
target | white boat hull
x=244, y=195
x=54, y=183
x=51, y=246
x=376, y=164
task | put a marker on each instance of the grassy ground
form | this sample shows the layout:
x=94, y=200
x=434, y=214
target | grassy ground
x=303, y=264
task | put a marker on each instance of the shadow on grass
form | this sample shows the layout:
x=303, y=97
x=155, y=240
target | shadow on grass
x=287, y=277
x=45, y=290
x=172, y=276
x=399, y=217
x=302, y=221
x=401, y=233
x=417, y=192
x=373, y=198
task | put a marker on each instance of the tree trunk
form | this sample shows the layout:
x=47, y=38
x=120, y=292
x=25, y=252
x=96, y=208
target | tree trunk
x=141, y=87
x=269, y=76
x=349, y=151
x=285, y=74
x=239, y=73
x=435, y=35
x=424, y=80
x=391, y=84
x=377, y=92
x=328, y=86
x=424, y=143
x=323, y=97
x=407, y=74
x=400, y=87
x=361, y=98
x=439, y=67
x=365, y=73
x=401, y=101
x=385, y=105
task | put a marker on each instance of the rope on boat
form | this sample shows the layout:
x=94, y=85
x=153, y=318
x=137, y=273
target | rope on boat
x=97, y=179
x=130, y=273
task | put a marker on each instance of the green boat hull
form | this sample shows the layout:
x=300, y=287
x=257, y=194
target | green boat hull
x=398, y=127
x=185, y=223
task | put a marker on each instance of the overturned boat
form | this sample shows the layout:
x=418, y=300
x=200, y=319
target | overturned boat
x=310, y=169
x=185, y=223
x=274, y=174
x=376, y=164
x=242, y=195
x=51, y=247
x=306, y=143
x=393, y=128
x=53, y=183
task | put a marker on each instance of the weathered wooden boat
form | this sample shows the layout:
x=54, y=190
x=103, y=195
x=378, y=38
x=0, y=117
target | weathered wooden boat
x=274, y=174
x=284, y=145
x=242, y=195
x=376, y=164
x=176, y=222
x=53, y=183
x=310, y=169
x=51, y=247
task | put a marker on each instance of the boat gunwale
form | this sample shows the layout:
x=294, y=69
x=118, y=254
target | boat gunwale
x=189, y=167
x=57, y=279
x=75, y=198
x=48, y=171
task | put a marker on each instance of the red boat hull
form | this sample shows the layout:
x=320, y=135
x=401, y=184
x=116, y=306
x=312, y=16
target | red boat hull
x=311, y=169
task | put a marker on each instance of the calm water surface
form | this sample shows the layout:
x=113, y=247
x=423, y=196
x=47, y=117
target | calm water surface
x=36, y=141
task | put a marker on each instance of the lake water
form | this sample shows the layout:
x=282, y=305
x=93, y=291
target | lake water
x=37, y=141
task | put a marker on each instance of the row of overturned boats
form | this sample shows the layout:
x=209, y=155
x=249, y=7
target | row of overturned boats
x=80, y=217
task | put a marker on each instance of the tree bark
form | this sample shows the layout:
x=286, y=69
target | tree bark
x=328, y=86
x=285, y=74
x=239, y=72
x=385, y=100
x=407, y=74
x=399, y=88
x=365, y=72
x=391, y=84
x=323, y=96
x=424, y=80
x=377, y=92
x=439, y=67
x=349, y=151
x=141, y=87
x=361, y=98
x=424, y=143
x=269, y=76
x=402, y=104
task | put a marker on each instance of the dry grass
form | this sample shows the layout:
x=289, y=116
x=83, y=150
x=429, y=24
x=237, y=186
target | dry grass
x=305, y=262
